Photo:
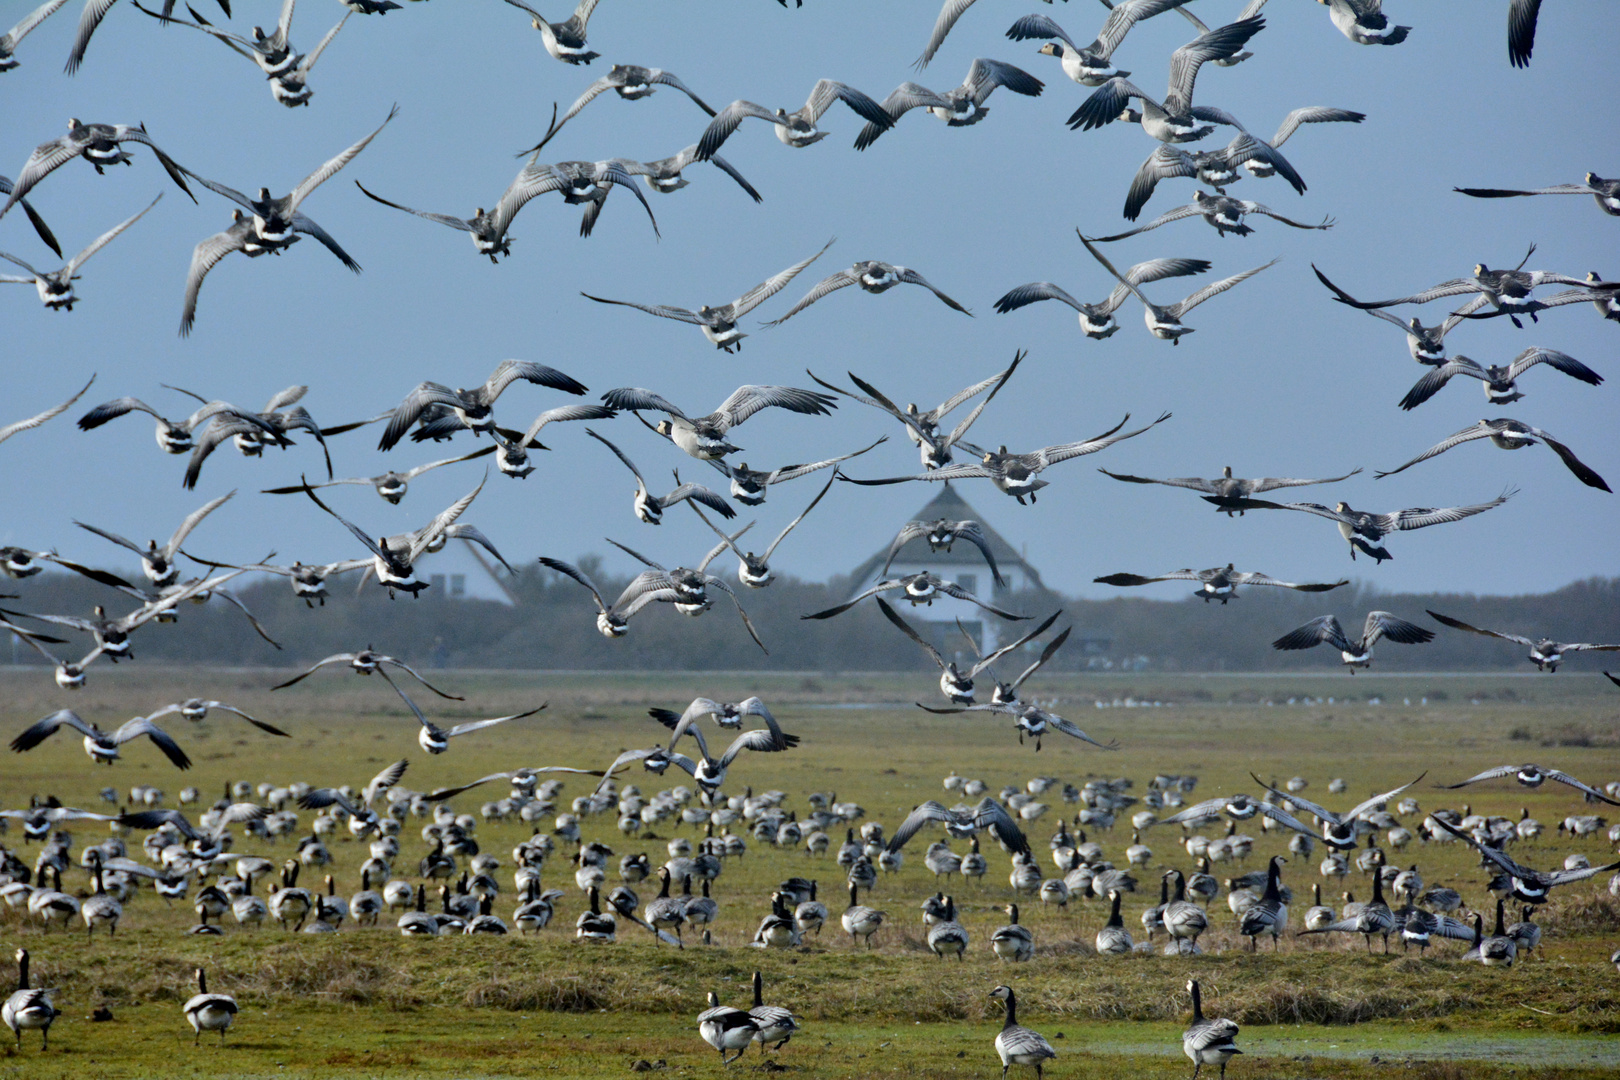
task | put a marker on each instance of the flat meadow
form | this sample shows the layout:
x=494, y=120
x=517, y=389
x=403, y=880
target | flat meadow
x=368, y=1002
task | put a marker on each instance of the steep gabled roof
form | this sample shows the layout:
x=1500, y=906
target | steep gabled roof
x=950, y=505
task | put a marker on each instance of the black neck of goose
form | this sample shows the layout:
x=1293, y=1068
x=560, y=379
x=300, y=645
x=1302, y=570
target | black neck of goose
x=1012, y=1010
x=1479, y=930
x=1198, y=1004
x=22, y=970
x=202, y=982
x=663, y=886
x=1181, y=887
x=854, y=895
x=1500, y=930
x=1378, y=886
x=1012, y=913
x=421, y=898
x=1272, y=874
x=1164, y=891
x=759, y=990
x=1114, y=919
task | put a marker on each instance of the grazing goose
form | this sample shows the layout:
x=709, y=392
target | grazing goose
x=719, y=322
x=1174, y=120
x=1113, y=939
x=875, y=277
x=704, y=437
x=473, y=407
x=1164, y=322
x=100, y=145
x=1032, y=720
x=1018, y=475
x=1530, y=776
x=1097, y=320
x=1546, y=654
x=1363, y=529
x=564, y=40
x=29, y=1008
x=749, y=486
x=960, y=107
x=1014, y=942
x=1367, y=919
x=9, y=430
x=1364, y=22
x=687, y=587
x=1499, y=381
x=1016, y=1044
x=922, y=588
x=1605, y=192
x=754, y=570
x=366, y=662
x=101, y=746
x=776, y=1024
x=1217, y=583
x=209, y=1012
x=1225, y=213
x=55, y=287
x=1357, y=653
x=631, y=82
x=1341, y=832
x=1526, y=886
x=1427, y=344
x=1227, y=488
x=159, y=563
x=13, y=37
x=922, y=428
x=1268, y=915
x=1092, y=65
x=1506, y=291
x=798, y=128
x=649, y=507
x=1208, y=1041
x=725, y=1028
x=955, y=683
x=1508, y=434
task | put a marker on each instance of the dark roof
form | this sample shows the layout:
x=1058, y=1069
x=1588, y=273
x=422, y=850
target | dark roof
x=950, y=505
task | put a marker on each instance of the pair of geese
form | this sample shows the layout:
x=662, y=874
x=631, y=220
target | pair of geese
x=31, y=1008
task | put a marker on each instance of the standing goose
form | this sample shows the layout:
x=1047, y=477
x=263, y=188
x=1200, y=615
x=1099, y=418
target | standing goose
x=1013, y=942
x=564, y=40
x=1500, y=381
x=100, y=908
x=28, y=1008
x=1357, y=653
x=291, y=903
x=1367, y=919
x=417, y=922
x=701, y=911
x=55, y=287
x=366, y=905
x=1183, y=919
x=796, y=129
x=1268, y=915
x=948, y=935
x=209, y=1012
x=725, y=1028
x=1498, y=950
x=776, y=1024
x=704, y=437
x=1016, y=1044
x=860, y=921
x=1097, y=320
x=1605, y=192
x=1208, y=1041
x=1526, y=934
x=666, y=910
x=1508, y=434
x=1164, y=322
x=1363, y=528
x=1113, y=939
x=960, y=107
x=649, y=507
x=1092, y=65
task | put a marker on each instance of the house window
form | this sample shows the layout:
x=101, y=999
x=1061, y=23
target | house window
x=436, y=583
x=458, y=584
x=969, y=582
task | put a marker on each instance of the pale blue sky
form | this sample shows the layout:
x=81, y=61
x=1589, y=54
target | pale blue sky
x=1277, y=380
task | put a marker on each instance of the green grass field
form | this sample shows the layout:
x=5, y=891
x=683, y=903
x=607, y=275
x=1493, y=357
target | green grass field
x=371, y=1003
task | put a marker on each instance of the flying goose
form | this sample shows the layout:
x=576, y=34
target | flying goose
x=366, y=662
x=112, y=634
x=206, y=841
x=632, y=82
x=1522, y=16
x=1164, y=322
x=18, y=563
x=960, y=107
x=391, y=485
x=749, y=486
x=359, y=806
x=1499, y=381
x=1226, y=491
x=285, y=68
x=1018, y=475
x=650, y=508
x=42, y=229
x=1357, y=653
x=473, y=407
x=1507, y=291
x=725, y=1028
x=1339, y=831
x=435, y=739
x=9, y=430
x=99, y=144
x=209, y=1012
x=511, y=447
x=1363, y=529
x=710, y=772
x=614, y=621
x=564, y=40
x=1364, y=22
x=69, y=674
x=962, y=821
x=1530, y=776
x=941, y=534
x=242, y=236
x=797, y=128
x=13, y=37
x=55, y=287
x=725, y=714
x=1222, y=211
x=1217, y=583
x=665, y=174
x=922, y=428
x=1427, y=344
x=719, y=323
x=687, y=587
x=1092, y=65
x=1239, y=807
x=1508, y=435
x=526, y=775
x=754, y=570
x=875, y=277
x=1176, y=119
x=923, y=588
x=101, y=746
x=955, y=683
x=29, y=1008
x=1605, y=192
x=394, y=558
x=1546, y=654
x=1006, y=693
x=197, y=710
x=704, y=437
x=1032, y=720
x=1208, y=1041
x=1097, y=320
x=581, y=183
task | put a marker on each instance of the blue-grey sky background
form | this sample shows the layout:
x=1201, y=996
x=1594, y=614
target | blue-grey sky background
x=1277, y=380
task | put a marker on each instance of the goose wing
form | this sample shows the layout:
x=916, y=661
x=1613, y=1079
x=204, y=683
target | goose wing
x=1503, y=193
x=769, y=551
x=1272, y=483
x=1298, y=803
x=1522, y=16
x=330, y=168
x=1216, y=288
x=1437, y=377
x=1034, y=292
x=1467, y=434
x=974, y=534
x=950, y=588
x=1583, y=472
x=1253, y=577
x=508, y=372
x=104, y=239
x=906, y=628
x=1377, y=801
x=1190, y=210
x=1219, y=44
x=882, y=586
x=1556, y=360
x=984, y=76
x=191, y=522
x=768, y=288
x=1046, y=654
x=1127, y=580
x=1164, y=163
x=1051, y=455
x=1197, y=812
x=320, y=798
x=1381, y=624
x=443, y=219
x=920, y=815
x=428, y=534
x=760, y=739
x=43, y=729
x=1043, y=28
x=139, y=726
x=337, y=658
x=663, y=311
x=821, y=288
x=1314, y=633
x=726, y=121
x=1313, y=114
x=1123, y=17
x=475, y=725
x=901, y=100
x=948, y=15
x=745, y=401
x=1458, y=624
x=204, y=257
x=1420, y=517
x=1488, y=774
x=1071, y=729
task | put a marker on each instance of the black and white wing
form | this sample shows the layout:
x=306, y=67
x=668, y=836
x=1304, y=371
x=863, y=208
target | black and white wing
x=1314, y=633
x=727, y=121
x=745, y=401
x=1381, y=624
x=906, y=628
x=1458, y=624
x=139, y=726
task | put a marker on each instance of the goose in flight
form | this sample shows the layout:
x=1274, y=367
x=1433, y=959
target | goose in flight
x=13, y=37
x=1218, y=583
x=1093, y=64
x=55, y=287
x=1605, y=192
x=390, y=485
x=197, y=710
x=665, y=175
x=1508, y=435
x=1341, y=832
x=435, y=739
x=1357, y=653
x=394, y=558
x=954, y=682
x=1018, y=475
x=474, y=407
x=614, y=621
x=710, y=772
x=632, y=82
x=168, y=615
x=358, y=807
x=366, y=662
x=240, y=236
x=1546, y=654
x=308, y=580
x=1427, y=344
x=32, y=422
x=99, y=144
x=527, y=775
x=267, y=427
x=1364, y=22
x=726, y=714
x=486, y=227
x=688, y=588
x=207, y=840
x=159, y=562
x=1164, y=322
x=511, y=447
x=873, y=276
x=1032, y=720
x=1507, y=291
x=101, y=746
x=1528, y=886
x=1239, y=807
x=754, y=570
x=704, y=437
x=1097, y=320
x=922, y=428
x=18, y=563
x=1176, y=119
x=961, y=823
x=1227, y=491
x=749, y=486
x=1223, y=212
x=940, y=535
x=649, y=507
x=1006, y=693
x=719, y=323
x=42, y=229
x=581, y=183
x=1363, y=529
x=69, y=674
x=1530, y=776
x=564, y=40
x=923, y=588
x=797, y=128
x=1500, y=381
x=961, y=107
x=1522, y=16
x=284, y=67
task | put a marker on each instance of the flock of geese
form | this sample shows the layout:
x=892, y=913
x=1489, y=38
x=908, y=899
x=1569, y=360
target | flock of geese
x=192, y=853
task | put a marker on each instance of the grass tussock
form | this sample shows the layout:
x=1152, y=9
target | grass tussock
x=1582, y=915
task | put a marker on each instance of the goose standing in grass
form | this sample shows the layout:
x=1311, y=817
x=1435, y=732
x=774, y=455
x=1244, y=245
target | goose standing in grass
x=726, y=1028
x=417, y=922
x=1164, y=321
x=366, y=905
x=1526, y=934
x=776, y=1024
x=1013, y=942
x=209, y=1012
x=649, y=507
x=1268, y=915
x=1016, y=1044
x=1498, y=950
x=290, y=903
x=28, y=1008
x=1530, y=776
x=948, y=935
x=1363, y=528
x=1091, y=65
x=796, y=129
x=55, y=287
x=1183, y=919
x=1508, y=434
x=1113, y=939
x=1217, y=583
x=1605, y=192
x=1372, y=918
x=859, y=921
x=1499, y=381
x=1357, y=653
x=666, y=911
x=1208, y=1041
x=100, y=908
x=960, y=107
